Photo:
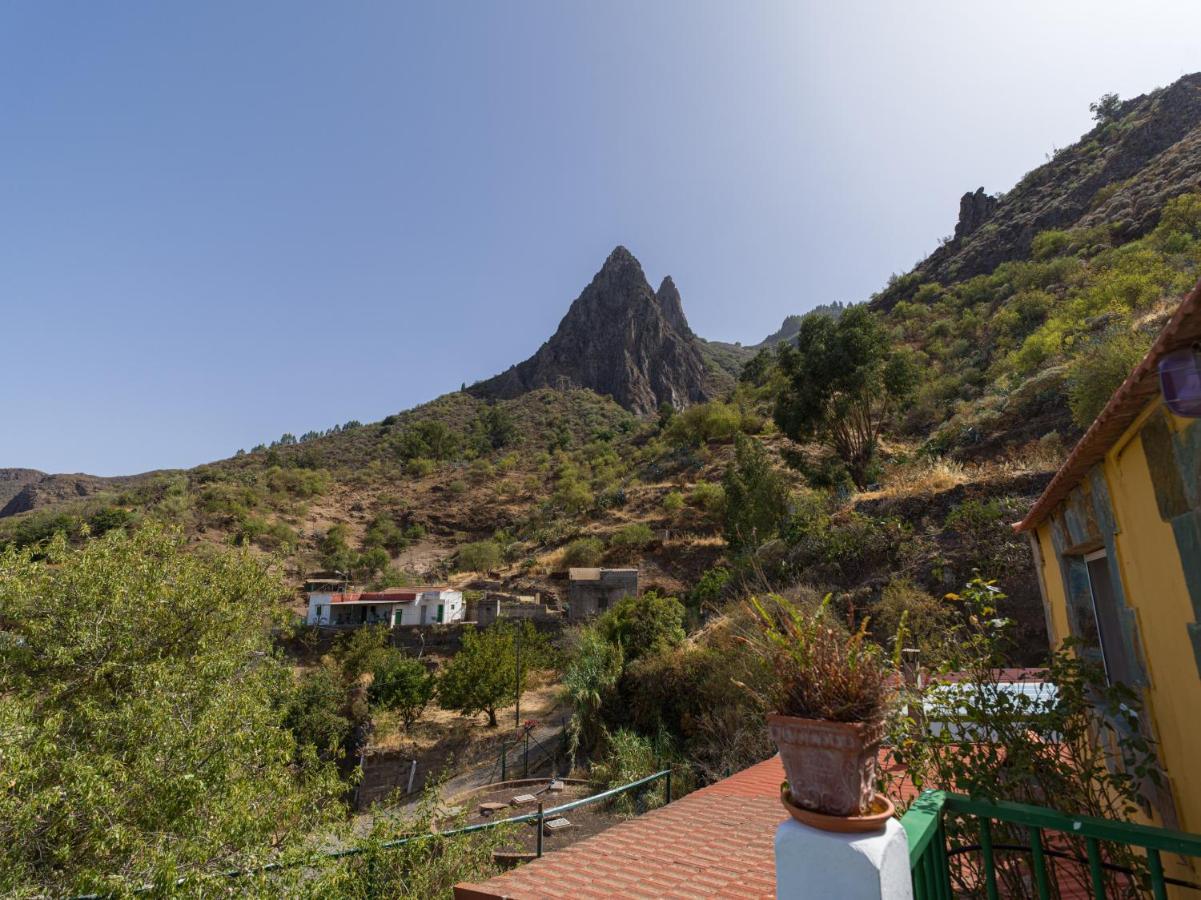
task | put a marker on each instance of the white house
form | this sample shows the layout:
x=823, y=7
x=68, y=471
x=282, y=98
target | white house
x=395, y=606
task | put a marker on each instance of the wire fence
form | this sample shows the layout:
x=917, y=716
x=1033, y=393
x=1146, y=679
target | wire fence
x=316, y=860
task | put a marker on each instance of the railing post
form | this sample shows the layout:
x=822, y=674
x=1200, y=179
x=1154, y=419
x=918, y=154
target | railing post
x=503, y=753
x=668, y=780
x=526, y=769
x=540, y=827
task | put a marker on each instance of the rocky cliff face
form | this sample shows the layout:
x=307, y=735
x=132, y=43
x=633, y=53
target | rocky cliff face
x=1120, y=174
x=620, y=338
x=24, y=489
x=13, y=481
x=974, y=209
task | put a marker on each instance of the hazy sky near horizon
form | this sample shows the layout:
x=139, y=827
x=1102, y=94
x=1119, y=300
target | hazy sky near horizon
x=222, y=221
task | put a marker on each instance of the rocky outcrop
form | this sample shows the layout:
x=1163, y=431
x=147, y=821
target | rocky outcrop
x=13, y=481
x=38, y=490
x=974, y=208
x=620, y=338
x=1120, y=175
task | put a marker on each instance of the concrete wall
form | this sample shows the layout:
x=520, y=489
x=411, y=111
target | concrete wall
x=587, y=599
x=1143, y=504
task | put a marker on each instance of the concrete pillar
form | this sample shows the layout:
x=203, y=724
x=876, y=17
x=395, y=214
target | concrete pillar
x=812, y=864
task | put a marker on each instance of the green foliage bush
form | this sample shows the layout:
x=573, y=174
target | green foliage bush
x=920, y=620
x=419, y=467
x=479, y=556
x=383, y=531
x=710, y=587
x=584, y=552
x=710, y=498
x=703, y=423
x=1099, y=370
x=756, y=497
x=673, y=502
x=630, y=539
x=643, y=624
x=316, y=713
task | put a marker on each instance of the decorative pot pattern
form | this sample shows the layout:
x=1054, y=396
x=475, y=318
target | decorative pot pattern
x=831, y=766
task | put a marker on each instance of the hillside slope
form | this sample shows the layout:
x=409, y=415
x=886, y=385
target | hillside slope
x=1119, y=175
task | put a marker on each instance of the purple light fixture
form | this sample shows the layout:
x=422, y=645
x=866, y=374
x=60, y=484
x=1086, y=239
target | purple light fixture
x=1180, y=381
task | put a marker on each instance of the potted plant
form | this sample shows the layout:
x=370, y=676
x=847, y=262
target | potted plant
x=830, y=694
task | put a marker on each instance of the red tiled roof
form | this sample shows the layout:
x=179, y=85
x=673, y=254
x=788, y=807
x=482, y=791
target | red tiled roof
x=1127, y=402
x=715, y=842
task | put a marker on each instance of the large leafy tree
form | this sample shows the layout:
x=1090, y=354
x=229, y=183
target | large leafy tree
x=483, y=676
x=843, y=379
x=142, y=707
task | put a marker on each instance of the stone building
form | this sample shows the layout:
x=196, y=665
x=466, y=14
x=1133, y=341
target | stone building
x=592, y=591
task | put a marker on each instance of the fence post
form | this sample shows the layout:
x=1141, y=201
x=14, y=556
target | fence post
x=503, y=754
x=540, y=825
x=668, y=779
x=526, y=769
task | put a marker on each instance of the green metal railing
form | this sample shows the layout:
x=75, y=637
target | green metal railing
x=1114, y=854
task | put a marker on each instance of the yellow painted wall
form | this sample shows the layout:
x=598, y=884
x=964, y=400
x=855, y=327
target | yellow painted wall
x=1153, y=581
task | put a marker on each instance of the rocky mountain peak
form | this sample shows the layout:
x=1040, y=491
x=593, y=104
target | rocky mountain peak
x=974, y=208
x=672, y=306
x=621, y=338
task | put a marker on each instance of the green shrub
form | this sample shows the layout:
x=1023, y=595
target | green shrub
x=922, y=621
x=710, y=498
x=384, y=532
x=642, y=625
x=1099, y=370
x=631, y=538
x=479, y=556
x=315, y=713
x=589, y=681
x=419, y=467
x=703, y=423
x=573, y=496
x=673, y=502
x=583, y=552
x=710, y=586
x=756, y=497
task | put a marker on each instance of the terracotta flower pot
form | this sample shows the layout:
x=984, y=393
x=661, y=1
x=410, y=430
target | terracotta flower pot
x=831, y=766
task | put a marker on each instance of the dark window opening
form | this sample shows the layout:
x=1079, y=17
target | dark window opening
x=1108, y=619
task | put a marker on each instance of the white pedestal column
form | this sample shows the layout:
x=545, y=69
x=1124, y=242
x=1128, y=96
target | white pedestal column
x=818, y=864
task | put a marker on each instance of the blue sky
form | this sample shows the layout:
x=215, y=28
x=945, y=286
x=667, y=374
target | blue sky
x=221, y=221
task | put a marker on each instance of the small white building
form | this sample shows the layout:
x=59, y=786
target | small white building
x=425, y=605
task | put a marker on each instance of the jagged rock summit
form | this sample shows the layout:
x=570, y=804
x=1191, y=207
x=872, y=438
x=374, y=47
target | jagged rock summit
x=620, y=338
